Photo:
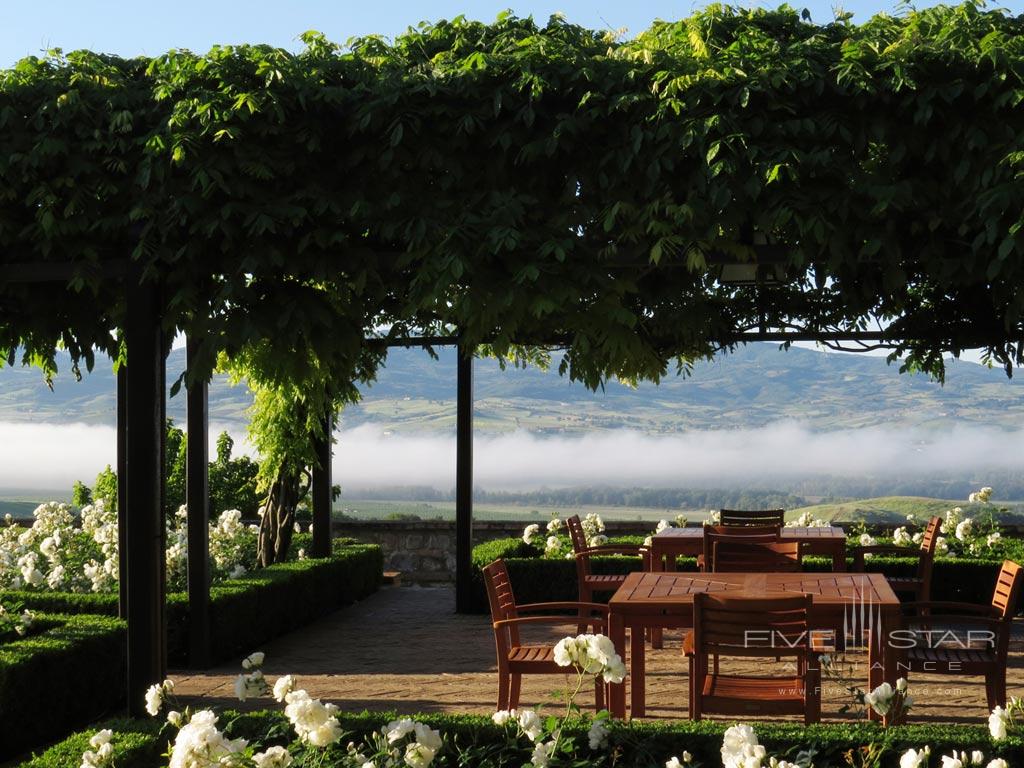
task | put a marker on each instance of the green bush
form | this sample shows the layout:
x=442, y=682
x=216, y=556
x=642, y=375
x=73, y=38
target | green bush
x=50, y=682
x=137, y=744
x=261, y=605
x=536, y=579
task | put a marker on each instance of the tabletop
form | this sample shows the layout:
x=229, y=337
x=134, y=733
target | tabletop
x=645, y=591
x=796, y=533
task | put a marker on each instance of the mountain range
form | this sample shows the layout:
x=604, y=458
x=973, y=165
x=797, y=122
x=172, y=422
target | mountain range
x=757, y=385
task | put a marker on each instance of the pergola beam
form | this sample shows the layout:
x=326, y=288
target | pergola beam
x=321, y=492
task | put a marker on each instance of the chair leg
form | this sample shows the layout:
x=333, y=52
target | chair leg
x=503, y=682
x=599, y=690
x=695, y=709
x=514, y=689
x=586, y=596
x=995, y=688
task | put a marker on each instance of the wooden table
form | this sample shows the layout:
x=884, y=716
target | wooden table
x=817, y=540
x=848, y=602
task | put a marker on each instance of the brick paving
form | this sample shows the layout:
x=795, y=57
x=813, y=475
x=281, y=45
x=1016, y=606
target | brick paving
x=404, y=649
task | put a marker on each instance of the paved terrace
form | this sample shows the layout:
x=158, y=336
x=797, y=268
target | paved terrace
x=404, y=649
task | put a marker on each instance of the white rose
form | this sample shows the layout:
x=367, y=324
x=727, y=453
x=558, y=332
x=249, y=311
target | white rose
x=542, y=754
x=597, y=736
x=530, y=723
x=997, y=722
x=274, y=757
x=529, y=532
x=554, y=525
x=998, y=763
x=913, y=758
x=283, y=687
x=502, y=716
x=154, y=699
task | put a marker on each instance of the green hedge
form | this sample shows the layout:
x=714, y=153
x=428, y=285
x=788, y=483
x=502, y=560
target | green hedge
x=261, y=605
x=138, y=744
x=58, y=679
x=536, y=579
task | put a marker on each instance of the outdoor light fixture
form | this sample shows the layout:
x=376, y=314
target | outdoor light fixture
x=766, y=264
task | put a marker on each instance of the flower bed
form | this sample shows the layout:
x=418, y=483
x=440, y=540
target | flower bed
x=55, y=679
x=250, y=609
x=477, y=741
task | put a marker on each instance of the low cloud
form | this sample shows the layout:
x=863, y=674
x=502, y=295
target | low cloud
x=44, y=456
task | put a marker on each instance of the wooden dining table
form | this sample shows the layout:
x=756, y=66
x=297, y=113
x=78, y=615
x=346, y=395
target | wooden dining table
x=671, y=543
x=844, y=602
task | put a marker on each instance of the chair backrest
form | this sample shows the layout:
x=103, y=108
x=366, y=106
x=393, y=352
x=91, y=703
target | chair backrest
x=502, y=601
x=752, y=516
x=1007, y=591
x=579, y=538
x=751, y=626
x=926, y=561
x=731, y=554
x=745, y=533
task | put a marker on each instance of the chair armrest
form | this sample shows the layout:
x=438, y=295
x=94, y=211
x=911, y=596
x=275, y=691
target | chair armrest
x=545, y=620
x=567, y=606
x=611, y=549
x=688, y=648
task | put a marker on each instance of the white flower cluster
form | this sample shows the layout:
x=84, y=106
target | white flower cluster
x=591, y=655
x=740, y=749
x=530, y=724
x=675, y=762
x=251, y=684
x=980, y=497
x=200, y=744
x=315, y=723
x=882, y=698
x=807, y=520
x=919, y=758
x=155, y=696
x=593, y=529
x=530, y=532
x=901, y=537
x=420, y=743
x=101, y=752
x=62, y=553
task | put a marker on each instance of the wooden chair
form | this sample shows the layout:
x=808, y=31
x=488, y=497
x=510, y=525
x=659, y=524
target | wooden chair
x=964, y=638
x=749, y=534
x=917, y=587
x=755, y=517
x=753, y=628
x=588, y=582
x=516, y=659
x=732, y=554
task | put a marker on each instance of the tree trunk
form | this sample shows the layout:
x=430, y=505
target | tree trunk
x=287, y=490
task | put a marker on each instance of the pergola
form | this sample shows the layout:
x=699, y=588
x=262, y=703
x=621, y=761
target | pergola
x=512, y=189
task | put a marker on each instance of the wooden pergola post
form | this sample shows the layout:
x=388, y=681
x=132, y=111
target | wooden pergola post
x=143, y=503
x=122, y=475
x=464, y=482
x=197, y=498
x=321, y=492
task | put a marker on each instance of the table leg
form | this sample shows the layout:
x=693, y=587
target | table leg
x=658, y=561
x=617, y=691
x=637, y=672
x=839, y=558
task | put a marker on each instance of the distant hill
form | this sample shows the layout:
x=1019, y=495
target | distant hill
x=757, y=385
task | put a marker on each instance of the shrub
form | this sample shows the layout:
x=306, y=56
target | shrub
x=52, y=681
x=483, y=744
x=262, y=604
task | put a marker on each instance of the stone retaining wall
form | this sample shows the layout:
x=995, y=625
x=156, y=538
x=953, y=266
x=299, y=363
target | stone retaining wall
x=424, y=551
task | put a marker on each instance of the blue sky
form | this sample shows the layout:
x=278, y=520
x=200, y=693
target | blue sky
x=131, y=28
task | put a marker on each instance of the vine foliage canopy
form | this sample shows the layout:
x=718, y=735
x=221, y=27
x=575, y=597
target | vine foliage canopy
x=527, y=187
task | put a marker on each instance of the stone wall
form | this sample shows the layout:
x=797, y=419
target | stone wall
x=424, y=551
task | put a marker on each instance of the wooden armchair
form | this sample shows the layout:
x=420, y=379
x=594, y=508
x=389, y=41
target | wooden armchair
x=753, y=628
x=919, y=586
x=964, y=638
x=752, y=517
x=588, y=582
x=760, y=534
x=516, y=659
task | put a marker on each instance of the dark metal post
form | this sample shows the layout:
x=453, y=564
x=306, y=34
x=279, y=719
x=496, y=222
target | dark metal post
x=143, y=505
x=321, y=492
x=464, y=482
x=122, y=458
x=197, y=498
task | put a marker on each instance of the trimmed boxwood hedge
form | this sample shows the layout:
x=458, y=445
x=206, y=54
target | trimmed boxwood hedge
x=50, y=682
x=261, y=605
x=138, y=744
x=536, y=579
